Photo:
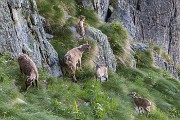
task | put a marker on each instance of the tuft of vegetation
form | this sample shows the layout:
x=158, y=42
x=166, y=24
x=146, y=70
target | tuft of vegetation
x=144, y=58
x=117, y=36
x=55, y=12
x=178, y=69
x=166, y=57
x=118, y=39
x=162, y=53
x=157, y=49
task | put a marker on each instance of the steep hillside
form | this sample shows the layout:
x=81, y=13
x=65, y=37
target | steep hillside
x=133, y=66
x=87, y=99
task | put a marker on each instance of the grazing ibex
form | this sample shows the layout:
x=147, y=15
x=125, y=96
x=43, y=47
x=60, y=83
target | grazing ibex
x=28, y=67
x=141, y=103
x=73, y=58
x=80, y=26
x=101, y=71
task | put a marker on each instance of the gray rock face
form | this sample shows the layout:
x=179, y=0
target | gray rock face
x=21, y=30
x=105, y=54
x=158, y=59
x=100, y=6
x=156, y=21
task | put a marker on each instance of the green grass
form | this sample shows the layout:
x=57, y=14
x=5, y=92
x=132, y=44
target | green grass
x=117, y=36
x=161, y=52
x=54, y=12
x=118, y=39
x=87, y=99
x=144, y=59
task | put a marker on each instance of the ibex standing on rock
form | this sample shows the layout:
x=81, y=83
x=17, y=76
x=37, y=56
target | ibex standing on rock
x=28, y=67
x=80, y=26
x=141, y=103
x=73, y=58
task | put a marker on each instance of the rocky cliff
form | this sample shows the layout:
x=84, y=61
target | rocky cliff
x=147, y=21
x=155, y=21
x=21, y=30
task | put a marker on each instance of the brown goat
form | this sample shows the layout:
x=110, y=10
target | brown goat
x=101, y=71
x=73, y=58
x=80, y=26
x=141, y=103
x=28, y=67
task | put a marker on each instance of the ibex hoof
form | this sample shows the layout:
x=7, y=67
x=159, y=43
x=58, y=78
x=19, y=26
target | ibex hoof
x=75, y=81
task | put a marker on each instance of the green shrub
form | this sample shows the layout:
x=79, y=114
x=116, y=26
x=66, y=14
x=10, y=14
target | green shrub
x=118, y=39
x=157, y=49
x=144, y=58
x=117, y=36
x=52, y=11
x=166, y=57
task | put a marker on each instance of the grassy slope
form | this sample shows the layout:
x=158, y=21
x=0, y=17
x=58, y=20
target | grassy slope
x=88, y=99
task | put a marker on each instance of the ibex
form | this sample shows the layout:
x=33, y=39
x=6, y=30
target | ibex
x=101, y=71
x=80, y=26
x=141, y=103
x=28, y=67
x=73, y=58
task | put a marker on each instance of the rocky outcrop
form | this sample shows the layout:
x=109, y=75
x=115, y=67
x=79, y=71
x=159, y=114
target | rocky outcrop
x=21, y=30
x=105, y=54
x=158, y=60
x=155, y=21
x=100, y=6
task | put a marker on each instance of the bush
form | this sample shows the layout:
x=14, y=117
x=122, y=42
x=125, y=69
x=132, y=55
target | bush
x=157, y=49
x=144, y=59
x=117, y=36
x=118, y=39
x=53, y=11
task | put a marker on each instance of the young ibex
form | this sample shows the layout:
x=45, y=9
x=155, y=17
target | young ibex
x=73, y=58
x=141, y=103
x=80, y=26
x=101, y=71
x=28, y=67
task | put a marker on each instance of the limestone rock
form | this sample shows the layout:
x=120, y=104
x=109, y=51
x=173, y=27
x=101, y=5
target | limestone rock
x=105, y=54
x=21, y=30
x=159, y=61
x=152, y=21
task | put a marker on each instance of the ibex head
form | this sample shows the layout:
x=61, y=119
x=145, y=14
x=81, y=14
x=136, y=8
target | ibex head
x=132, y=94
